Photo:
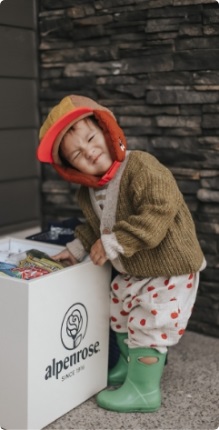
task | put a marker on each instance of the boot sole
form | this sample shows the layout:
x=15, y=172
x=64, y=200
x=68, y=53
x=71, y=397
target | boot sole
x=141, y=410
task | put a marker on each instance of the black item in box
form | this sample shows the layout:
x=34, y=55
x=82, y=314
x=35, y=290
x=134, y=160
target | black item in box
x=67, y=235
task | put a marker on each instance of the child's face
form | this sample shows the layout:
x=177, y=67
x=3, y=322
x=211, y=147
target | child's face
x=84, y=147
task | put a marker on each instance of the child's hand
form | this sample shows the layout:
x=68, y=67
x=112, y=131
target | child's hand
x=97, y=253
x=66, y=257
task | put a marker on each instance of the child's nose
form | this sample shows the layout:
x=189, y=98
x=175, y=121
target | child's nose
x=90, y=151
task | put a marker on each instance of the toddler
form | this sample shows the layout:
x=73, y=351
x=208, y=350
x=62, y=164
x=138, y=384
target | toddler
x=136, y=217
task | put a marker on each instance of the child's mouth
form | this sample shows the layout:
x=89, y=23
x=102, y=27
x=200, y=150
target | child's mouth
x=96, y=159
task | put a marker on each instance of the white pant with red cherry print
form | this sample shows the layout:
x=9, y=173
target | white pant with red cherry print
x=154, y=311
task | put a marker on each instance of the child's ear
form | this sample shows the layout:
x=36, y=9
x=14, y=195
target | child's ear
x=114, y=135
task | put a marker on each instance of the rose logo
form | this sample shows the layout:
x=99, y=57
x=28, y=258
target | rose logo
x=74, y=326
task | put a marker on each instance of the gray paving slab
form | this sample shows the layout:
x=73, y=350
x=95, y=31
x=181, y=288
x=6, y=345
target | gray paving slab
x=190, y=391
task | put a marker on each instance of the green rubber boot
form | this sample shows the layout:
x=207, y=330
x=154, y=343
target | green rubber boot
x=118, y=373
x=141, y=389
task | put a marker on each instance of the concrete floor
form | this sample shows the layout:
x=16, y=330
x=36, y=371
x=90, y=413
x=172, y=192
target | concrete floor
x=190, y=387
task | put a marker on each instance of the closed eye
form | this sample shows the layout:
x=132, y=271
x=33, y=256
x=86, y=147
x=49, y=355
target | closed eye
x=91, y=137
x=76, y=155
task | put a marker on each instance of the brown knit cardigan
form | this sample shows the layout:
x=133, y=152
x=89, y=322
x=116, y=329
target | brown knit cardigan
x=153, y=223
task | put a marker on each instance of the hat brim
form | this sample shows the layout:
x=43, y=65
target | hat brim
x=45, y=148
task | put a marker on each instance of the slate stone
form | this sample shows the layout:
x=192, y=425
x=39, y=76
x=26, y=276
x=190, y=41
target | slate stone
x=197, y=60
x=173, y=96
x=210, y=121
x=206, y=195
x=211, y=183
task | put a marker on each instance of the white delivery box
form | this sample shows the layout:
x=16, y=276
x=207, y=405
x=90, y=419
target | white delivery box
x=54, y=335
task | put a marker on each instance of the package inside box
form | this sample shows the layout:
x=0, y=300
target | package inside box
x=30, y=263
x=12, y=245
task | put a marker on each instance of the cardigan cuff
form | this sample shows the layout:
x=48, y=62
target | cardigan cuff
x=76, y=249
x=111, y=246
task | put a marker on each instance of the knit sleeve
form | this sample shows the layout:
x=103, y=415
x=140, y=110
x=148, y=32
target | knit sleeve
x=86, y=235
x=154, y=200
x=77, y=250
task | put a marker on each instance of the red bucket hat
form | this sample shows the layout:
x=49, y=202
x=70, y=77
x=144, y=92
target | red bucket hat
x=70, y=110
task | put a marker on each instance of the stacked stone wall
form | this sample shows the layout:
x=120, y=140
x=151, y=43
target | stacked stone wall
x=155, y=63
